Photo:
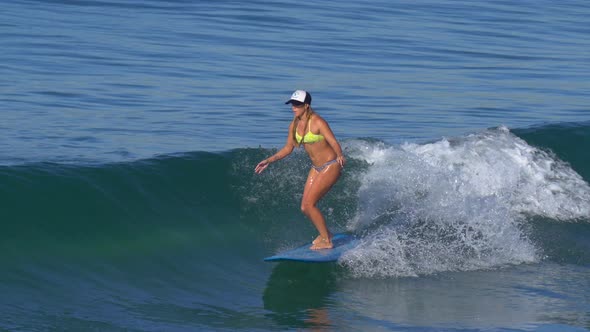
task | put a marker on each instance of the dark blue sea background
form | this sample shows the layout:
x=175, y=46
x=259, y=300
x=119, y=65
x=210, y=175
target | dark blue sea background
x=129, y=132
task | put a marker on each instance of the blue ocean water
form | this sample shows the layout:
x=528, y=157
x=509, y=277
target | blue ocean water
x=130, y=130
x=105, y=80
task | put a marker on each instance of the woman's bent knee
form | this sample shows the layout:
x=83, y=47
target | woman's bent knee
x=306, y=207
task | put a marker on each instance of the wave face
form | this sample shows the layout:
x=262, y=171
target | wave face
x=480, y=201
x=137, y=207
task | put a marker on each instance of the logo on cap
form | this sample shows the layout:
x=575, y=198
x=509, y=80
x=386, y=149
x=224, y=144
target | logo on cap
x=300, y=96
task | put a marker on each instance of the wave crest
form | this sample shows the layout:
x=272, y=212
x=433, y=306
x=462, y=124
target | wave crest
x=458, y=204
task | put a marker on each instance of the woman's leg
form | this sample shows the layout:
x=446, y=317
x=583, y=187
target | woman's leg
x=317, y=185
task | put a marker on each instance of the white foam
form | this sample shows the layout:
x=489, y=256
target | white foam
x=457, y=204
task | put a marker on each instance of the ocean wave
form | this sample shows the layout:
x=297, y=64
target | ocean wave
x=458, y=204
x=463, y=203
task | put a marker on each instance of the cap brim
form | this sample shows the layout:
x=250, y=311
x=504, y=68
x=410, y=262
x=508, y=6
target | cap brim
x=293, y=101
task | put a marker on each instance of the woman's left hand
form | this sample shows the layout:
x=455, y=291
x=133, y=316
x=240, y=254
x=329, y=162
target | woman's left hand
x=341, y=161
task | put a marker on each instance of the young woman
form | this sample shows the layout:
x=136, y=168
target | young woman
x=313, y=132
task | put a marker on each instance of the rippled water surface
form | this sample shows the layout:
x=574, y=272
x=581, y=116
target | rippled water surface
x=104, y=80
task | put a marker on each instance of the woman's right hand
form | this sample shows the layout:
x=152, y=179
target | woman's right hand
x=261, y=166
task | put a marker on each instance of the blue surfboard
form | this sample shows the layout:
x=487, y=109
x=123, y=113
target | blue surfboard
x=342, y=243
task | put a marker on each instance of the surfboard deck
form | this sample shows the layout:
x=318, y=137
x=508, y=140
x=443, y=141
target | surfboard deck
x=342, y=243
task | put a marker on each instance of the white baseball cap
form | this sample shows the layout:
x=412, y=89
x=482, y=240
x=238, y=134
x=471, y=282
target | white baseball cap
x=300, y=96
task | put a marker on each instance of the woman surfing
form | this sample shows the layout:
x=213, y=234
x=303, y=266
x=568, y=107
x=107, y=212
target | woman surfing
x=313, y=132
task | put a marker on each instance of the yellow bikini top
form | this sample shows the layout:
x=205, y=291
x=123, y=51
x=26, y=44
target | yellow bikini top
x=309, y=137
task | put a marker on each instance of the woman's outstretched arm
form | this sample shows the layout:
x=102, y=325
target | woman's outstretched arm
x=282, y=153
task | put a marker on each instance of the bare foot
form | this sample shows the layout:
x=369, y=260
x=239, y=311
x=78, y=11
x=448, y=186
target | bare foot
x=322, y=243
x=319, y=238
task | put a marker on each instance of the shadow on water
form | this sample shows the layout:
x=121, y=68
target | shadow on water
x=298, y=294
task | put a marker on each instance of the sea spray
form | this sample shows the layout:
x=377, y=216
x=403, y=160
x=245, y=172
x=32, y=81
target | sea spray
x=457, y=204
